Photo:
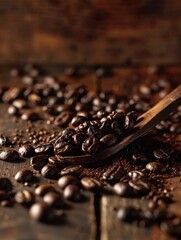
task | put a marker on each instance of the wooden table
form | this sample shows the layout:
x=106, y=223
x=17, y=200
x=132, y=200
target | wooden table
x=96, y=218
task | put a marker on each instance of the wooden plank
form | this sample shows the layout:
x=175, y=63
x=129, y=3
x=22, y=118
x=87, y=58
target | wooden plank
x=90, y=32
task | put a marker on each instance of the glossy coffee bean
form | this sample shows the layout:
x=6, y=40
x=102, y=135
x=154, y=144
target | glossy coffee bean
x=25, y=197
x=39, y=161
x=128, y=122
x=108, y=140
x=135, y=175
x=64, y=118
x=72, y=193
x=117, y=128
x=90, y=144
x=141, y=187
x=75, y=170
x=66, y=135
x=128, y=214
x=4, y=140
x=26, y=150
x=155, y=167
x=30, y=116
x=113, y=174
x=50, y=171
x=78, y=138
x=77, y=120
x=160, y=154
x=123, y=189
x=24, y=175
x=42, y=189
x=139, y=158
x=54, y=199
x=44, y=149
x=67, y=180
x=9, y=155
x=91, y=184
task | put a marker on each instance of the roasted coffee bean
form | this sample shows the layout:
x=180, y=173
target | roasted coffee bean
x=135, y=175
x=66, y=134
x=67, y=180
x=44, y=149
x=117, y=128
x=30, y=116
x=54, y=160
x=11, y=94
x=54, y=199
x=172, y=226
x=128, y=214
x=64, y=118
x=77, y=120
x=50, y=171
x=155, y=167
x=39, y=161
x=113, y=174
x=42, y=189
x=4, y=140
x=24, y=175
x=25, y=197
x=90, y=144
x=141, y=187
x=13, y=111
x=42, y=212
x=123, y=190
x=105, y=125
x=5, y=184
x=91, y=184
x=72, y=193
x=128, y=122
x=94, y=131
x=108, y=140
x=26, y=150
x=78, y=138
x=117, y=116
x=9, y=155
x=20, y=103
x=75, y=170
x=139, y=158
x=161, y=154
x=101, y=114
x=64, y=149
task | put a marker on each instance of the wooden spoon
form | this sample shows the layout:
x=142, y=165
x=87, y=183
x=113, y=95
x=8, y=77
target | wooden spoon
x=144, y=124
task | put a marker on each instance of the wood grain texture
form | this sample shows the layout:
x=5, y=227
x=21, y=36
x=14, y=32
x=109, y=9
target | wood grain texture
x=90, y=31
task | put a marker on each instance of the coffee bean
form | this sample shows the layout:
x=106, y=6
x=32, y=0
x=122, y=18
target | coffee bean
x=42, y=189
x=77, y=120
x=75, y=170
x=29, y=115
x=78, y=138
x=9, y=155
x=24, y=175
x=54, y=199
x=13, y=111
x=94, y=131
x=141, y=187
x=108, y=140
x=26, y=150
x=50, y=171
x=25, y=197
x=155, y=167
x=123, y=190
x=44, y=149
x=117, y=128
x=72, y=193
x=90, y=144
x=128, y=122
x=4, y=140
x=91, y=184
x=11, y=94
x=39, y=161
x=135, y=175
x=63, y=148
x=67, y=180
x=64, y=118
x=161, y=154
x=172, y=227
x=139, y=158
x=5, y=184
x=66, y=135
x=42, y=212
x=113, y=174
x=175, y=128
x=19, y=103
x=128, y=214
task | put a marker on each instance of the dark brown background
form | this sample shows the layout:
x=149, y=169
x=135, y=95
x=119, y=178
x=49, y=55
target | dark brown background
x=90, y=31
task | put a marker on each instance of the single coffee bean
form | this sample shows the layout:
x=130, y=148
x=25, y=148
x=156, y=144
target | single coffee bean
x=66, y=135
x=75, y=170
x=54, y=199
x=9, y=155
x=90, y=144
x=141, y=187
x=67, y=180
x=26, y=150
x=72, y=193
x=105, y=125
x=19, y=103
x=77, y=120
x=113, y=174
x=11, y=94
x=25, y=197
x=117, y=128
x=78, y=138
x=139, y=158
x=39, y=161
x=64, y=148
x=24, y=175
x=42, y=212
x=44, y=149
x=5, y=184
x=64, y=118
x=123, y=190
x=50, y=171
x=135, y=175
x=29, y=115
x=4, y=140
x=128, y=214
x=155, y=167
x=108, y=140
x=94, y=131
x=91, y=184
x=42, y=189
x=161, y=154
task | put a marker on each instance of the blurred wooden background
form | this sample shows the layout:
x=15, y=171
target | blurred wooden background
x=90, y=31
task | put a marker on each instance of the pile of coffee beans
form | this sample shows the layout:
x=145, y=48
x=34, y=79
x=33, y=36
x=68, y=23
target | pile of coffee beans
x=76, y=122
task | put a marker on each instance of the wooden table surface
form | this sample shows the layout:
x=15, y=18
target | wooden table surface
x=94, y=219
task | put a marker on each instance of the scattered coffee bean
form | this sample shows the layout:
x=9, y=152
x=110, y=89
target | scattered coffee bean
x=72, y=170
x=139, y=158
x=24, y=175
x=50, y=171
x=25, y=197
x=54, y=199
x=155, y=167
x=26, y=150
x=113, y=174
x=9, y=155
x=72, y=193
x=123, y=190
x=91, y=184
x=67, y=180
x=128, y=214
x=135, y=175
x=39, y=161
x=142, y=187
x=42, y=189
